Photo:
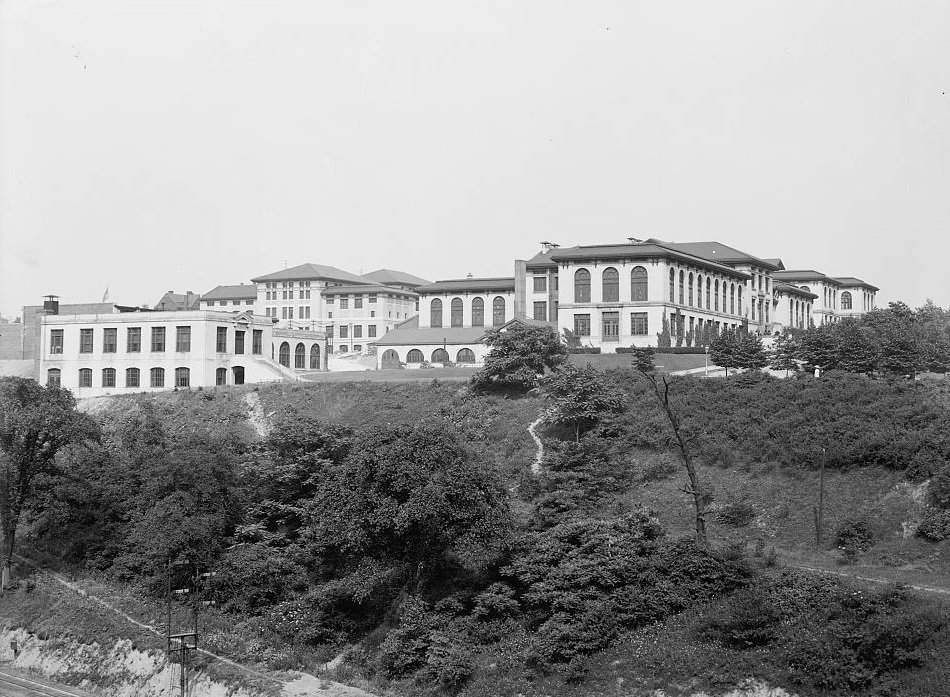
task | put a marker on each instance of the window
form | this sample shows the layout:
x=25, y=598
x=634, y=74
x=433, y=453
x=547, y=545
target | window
x=699, y=291
x=358, y=331
x=182, y=377
x=357, y=348
x=330, y=300
x=440, y=356
x=157, y=377
x=56, y=341
x=414, y=356
x=732, y=298
x=371, y=331
x=158, y=339
x=85, y=377
x=358, y=302
x=372, y=298
x=238, y=341
x=611, y=324
x=221, y=376
x=638, y=284
x=85, y=341
x=283, y=356
x=435, y=313
x=133, y=340
x=131, y=377
x=739, y=297
x=478, y=312
x=540, y=284
x=108, y=377
x=582, y=325
x=639, y=325
x=183, y=339
x=466, y=356
x=806, y=289
x=846, y=300
x=611, y=285
x=257, y=341
x=672, y=285
x=344, y=332
x=344, y=303
x=582, y=286
x=690, y=295
x=724, y=296
x=708, y=285
x=498, y=311
x=717, y=295
x=343, y=348
x=300, y=356
x=221, y=343
x=315, y=357
x=682, y=286
x=54, y=377
x=456, y=316
x=541, y=311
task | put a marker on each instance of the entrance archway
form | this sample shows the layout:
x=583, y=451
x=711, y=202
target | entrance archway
x=238, y=371
x=390, y=359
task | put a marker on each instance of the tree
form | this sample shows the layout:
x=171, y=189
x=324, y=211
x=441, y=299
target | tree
x=663, y=338
x=662, y=389
x=818, y=348
x=580, y=396
x=858, y=351
x=36, y=423
x=520, y=354
x=783, y=352
x=749, y=352
x=723, y=350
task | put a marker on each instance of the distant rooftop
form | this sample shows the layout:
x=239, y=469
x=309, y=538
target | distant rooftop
x=855, y=282
x=638, y=250
x=474, y=285
x=718, y=252
x=391, y=277
x=239, y=292
x=311, y=272
x=369, y=288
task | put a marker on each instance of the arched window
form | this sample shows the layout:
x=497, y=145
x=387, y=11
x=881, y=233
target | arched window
x=672, y=285
x=221, y=376
x=283, y=355
x=716, y=295
x=440, y=356
x=414, y=356
x=300, y=356
x=157, y=377
x=108, y=377
x=806, y=289
x=132, y=377
x=390, y=359
x=732, y=298
x=315, y=357
x=724, y=289
x=638, y=284
x=690, y=296
x=478, y=312
x=582, y=286
x=740, y=298
x=708, y=286
x=846, y=300
x=456, y=312
x=682, y=286
x=611, y=281
x=498, y=311
x=182, y=377
x=435, y=313
x=465, y=355
x=54, y=377
x=699, y=291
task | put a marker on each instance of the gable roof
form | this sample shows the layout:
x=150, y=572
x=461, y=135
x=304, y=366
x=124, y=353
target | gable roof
x=639, y=250
x=389, y=276
x=793, y=290
x=542, y=260
x=311, y=272
x=851, y=281
x=240, y=292
x=718, y=252
x=369, y=288
x=803, y=275
x=178, y=301
x=410, y=333
x=473, y=285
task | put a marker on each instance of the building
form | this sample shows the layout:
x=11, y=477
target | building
x=357, y=316
x=177, y=302
x=835, y=298
x=395, y=279
x=235, y=298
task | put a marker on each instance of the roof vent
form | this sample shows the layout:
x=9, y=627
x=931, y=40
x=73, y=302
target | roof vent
x=548, y=246
x=469, y=275
x=634, y=240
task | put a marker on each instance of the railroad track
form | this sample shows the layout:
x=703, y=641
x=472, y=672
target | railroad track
x=17, y=684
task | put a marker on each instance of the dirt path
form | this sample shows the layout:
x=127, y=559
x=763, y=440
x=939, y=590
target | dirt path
x=536, y=465
x=844, y=574
x=304, y=684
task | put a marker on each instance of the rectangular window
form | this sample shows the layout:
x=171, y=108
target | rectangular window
x=183, y=339
x=638, y=324
x=238, y=342
x=554, y=282
x=85, y=341
x=358, y=331
x=108, y=377
x=344, y=332
x=582, y=325
x=540, y=284
x=541, y=311
x=344, y=303
x=110, y=340
x=371, y=329
x=158, y=339
x=182, y=377
x=56, y=341
x=257, y=341
x=611, y=322
x=330, y=300
x=131, y=377
x=290, y=313
x=357, y=347
x=133, y=340
x=54, y=378
x=221, y=341
x=358, y=302
x=372, y=298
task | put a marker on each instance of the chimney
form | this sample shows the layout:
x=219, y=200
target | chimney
x=469, y=275
x=548, y=246
x=51, y=304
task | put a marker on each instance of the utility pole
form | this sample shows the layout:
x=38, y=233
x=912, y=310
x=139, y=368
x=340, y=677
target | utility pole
x=180, y=643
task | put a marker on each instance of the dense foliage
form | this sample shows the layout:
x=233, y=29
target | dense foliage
x=519, y=356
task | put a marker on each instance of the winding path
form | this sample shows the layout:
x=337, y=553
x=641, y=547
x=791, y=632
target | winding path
x=536, y=465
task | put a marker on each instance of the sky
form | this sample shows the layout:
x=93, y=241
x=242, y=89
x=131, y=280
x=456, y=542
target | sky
x=150, y=146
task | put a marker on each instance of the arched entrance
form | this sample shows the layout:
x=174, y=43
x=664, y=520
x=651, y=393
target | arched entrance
x=284, y=355
x=390, y=359
x=221, y=376
x=238, y=371
x=315, y=357
x=440, y=356
x=300, y=357
x=465, y=356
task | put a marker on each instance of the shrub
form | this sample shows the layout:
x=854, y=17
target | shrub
x=496, y=601
x=935, y=525
x=449, y=660
x=404, y=649
x=854, y=536
x=938, y=491
x=736, y=514
x=747, y=618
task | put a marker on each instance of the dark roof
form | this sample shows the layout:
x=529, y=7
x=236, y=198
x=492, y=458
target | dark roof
x=795, y=290
x=852, y=281
x=178, y=301
x=373, y=288
x=410, y=332
x=638, y=250
x=309, y=272
x=240, y=292
x=802, y=275
x=718, y=252
x=777, y=263
x=391, y=277
x=542, y=260
x=475, y=285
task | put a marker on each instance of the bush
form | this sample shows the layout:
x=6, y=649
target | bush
x=584, y=350
x=747, y=618
x=736, y=514
x=404, y=649
x=854, y=536
x=935, y=525
x=938, y=491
